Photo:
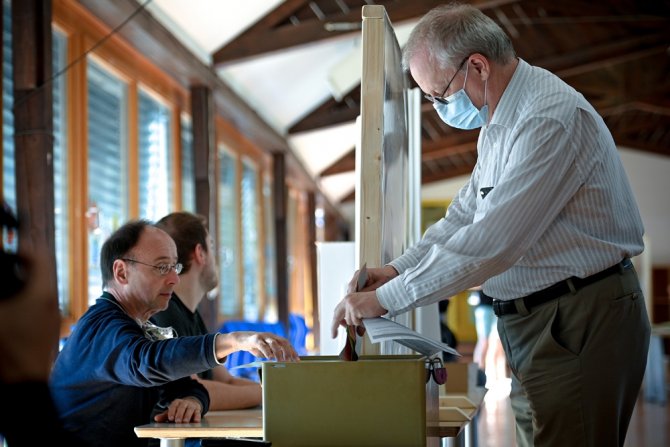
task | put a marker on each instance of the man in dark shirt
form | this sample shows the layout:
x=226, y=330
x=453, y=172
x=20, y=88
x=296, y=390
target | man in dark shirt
x=116, y=369
x=199, y=275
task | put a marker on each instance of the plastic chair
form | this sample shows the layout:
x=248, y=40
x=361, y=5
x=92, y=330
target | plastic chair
x=298, y=331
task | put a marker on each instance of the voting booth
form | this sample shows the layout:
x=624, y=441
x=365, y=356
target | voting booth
x=386, y=397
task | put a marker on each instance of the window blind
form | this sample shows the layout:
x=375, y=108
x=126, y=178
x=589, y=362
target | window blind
x=107, y=177
x=228, y=259
x=187, y=166
x=155, y=169
x=8, y=178
x=61, y=215
x=250, y=243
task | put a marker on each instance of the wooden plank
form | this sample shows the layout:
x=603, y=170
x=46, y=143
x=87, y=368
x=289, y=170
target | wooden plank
x=33, y=130
x=202, y=119
x=280, y=196
x=457, y=401
x=369, y=153
x=455, y=414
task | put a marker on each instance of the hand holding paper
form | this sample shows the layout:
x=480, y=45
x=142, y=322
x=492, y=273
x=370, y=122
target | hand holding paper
x=349, y=353
x=354, y=307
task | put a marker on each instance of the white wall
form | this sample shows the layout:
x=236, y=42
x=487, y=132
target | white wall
x=649, y=176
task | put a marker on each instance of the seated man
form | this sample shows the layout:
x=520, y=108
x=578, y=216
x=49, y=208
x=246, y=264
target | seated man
x=199, y=275
x=117, y=369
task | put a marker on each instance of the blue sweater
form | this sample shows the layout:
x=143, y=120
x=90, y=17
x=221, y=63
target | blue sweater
x=109, y=377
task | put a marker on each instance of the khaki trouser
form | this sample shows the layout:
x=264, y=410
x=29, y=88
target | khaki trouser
x=578, y=363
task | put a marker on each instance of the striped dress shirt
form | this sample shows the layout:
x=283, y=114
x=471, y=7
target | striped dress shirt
x=548, y=199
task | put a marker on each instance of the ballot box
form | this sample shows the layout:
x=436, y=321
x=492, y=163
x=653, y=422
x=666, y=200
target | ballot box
x=324, y=401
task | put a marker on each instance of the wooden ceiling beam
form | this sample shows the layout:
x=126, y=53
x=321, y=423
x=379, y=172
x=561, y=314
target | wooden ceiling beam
x=597, y=57
x=330, y=112
x=449, y=150
x=346, y=163
x=656, y=109
x=464, y=169
x=633, y=143
x=275, y=31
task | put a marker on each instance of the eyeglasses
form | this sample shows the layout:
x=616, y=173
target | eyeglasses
x=438, y=372
x=440, y=98
x=163, y=269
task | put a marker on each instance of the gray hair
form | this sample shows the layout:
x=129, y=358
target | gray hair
x=450, y=33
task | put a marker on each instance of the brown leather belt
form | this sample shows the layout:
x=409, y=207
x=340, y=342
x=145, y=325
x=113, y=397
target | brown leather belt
x=505, y=307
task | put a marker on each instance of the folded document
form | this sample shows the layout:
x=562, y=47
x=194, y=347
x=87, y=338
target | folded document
x=382, y=329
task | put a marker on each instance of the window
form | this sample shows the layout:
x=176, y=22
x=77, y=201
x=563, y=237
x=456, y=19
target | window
x=61, y=215
x=228, y=239
x=107, y=180
x=250, y=242
x=155, y=170
x=270, y=311
x=8, y=178
x=187, y=166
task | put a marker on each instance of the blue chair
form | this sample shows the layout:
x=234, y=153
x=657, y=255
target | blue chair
x=298, y=331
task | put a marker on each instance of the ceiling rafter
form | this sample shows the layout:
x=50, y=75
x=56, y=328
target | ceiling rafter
x=276, y=31
x=616, y=52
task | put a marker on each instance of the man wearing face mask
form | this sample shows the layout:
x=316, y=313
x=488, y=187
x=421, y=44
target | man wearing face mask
x=547, y=223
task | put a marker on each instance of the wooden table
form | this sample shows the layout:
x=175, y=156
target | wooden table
x=215, y=424
x=456, y=416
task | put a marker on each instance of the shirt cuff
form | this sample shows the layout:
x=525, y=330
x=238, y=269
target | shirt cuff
x=403, y=262
x=216, y=358
x=392, y=296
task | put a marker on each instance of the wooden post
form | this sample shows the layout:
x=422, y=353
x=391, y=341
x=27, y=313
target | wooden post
x=33, y=129
x=311, y=247
x=202, y=113
x=281, y=242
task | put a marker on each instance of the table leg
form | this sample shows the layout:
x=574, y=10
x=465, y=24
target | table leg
x=470, y=432
x=172, y=442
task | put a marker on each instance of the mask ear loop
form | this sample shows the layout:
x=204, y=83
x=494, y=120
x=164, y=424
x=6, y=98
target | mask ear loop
x=486, y=92
x=486, y=88
x=467, y=66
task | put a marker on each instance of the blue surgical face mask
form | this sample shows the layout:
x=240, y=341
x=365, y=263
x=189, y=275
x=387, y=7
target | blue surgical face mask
x=460, y=112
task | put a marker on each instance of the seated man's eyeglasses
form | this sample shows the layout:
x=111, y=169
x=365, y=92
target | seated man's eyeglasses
x=163, y=269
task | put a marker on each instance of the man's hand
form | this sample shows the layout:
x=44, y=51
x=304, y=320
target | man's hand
x=188, y=409
x=376, y=277
x=353, y=308
x=261, y=344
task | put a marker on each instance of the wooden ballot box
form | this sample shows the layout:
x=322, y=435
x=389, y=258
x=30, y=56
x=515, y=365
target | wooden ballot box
x=323, y=401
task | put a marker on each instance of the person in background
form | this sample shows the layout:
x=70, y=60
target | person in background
x=117, y=370
x=199, y=275
x=485, y=321
x=29, y=327
x=546, y=224
x=446, y=334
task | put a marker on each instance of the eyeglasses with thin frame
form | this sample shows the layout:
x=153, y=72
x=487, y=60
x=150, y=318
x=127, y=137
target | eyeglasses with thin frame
x=437, y=370
x=163, y=269
x=440, y=98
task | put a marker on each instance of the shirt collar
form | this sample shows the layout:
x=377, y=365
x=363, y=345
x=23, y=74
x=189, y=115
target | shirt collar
x=505, y=113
